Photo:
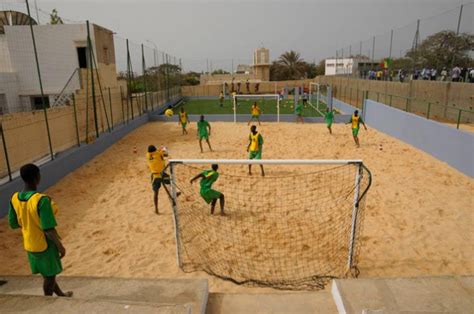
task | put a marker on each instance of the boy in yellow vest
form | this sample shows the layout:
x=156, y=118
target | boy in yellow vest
x=255, y=147
x=356, y=120
x=255, y=111
x=183, y=120
x=221, y=99
x=156, y=163
x=34, y=213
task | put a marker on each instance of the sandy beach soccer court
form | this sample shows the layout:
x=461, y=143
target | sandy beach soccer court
x=419, y=212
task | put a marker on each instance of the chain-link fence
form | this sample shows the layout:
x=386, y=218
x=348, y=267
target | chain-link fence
x=434, y=48
x=65, y=83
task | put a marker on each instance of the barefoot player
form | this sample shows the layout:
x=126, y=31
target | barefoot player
x=204, y=131
x=255, y=147
x=183, y=120
x=255, y=111
x=156, y=163
x=299, y=112
x=34, y=213
x=356, y=120
x=208, y=177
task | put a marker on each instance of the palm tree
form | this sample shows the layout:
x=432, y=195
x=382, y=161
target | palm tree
x=292, y=64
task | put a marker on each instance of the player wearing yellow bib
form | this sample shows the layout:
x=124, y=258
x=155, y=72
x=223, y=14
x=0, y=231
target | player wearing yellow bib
x=255, y=111
x=34, y=213
x=183, y=120
x=356, y=120
x=208, y=177
x=156, y=164
x=221, y=99
x=255, y=147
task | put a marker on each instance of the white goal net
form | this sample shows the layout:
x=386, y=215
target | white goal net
x=295, y=228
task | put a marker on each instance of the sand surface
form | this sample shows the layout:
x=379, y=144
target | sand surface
x=419, y=212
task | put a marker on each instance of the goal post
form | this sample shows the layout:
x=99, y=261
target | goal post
x=296, y=228
x=256, y=96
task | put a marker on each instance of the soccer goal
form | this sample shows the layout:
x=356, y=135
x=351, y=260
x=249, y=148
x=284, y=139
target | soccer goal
x=248, y=99
x=296, y=228
x=315, y=97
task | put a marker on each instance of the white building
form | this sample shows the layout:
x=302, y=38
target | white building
x=62, y=52
x=347, y=66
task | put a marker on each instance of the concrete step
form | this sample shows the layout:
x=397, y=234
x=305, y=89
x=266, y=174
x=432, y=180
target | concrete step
x=11, y=303
x=288, y=302
x=186, y=292
x=405, y=295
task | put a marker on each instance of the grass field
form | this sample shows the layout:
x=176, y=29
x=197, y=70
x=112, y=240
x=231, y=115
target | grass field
x=268, y=106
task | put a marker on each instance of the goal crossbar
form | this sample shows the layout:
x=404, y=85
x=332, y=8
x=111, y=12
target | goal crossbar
x=267, y=161
x=256, y=96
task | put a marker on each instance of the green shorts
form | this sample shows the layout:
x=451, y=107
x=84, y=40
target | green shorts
x=156, y=183
x=210, y=195
x=299, y=114
x=184, y=124
x=255, y=155
x=355, y=132
x=46, y=263
x=203, y=136
x=255, y=117
x=329, y=122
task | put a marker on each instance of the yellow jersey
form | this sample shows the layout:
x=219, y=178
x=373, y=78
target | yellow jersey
x=255, y=111
x=183, y=117
x=355, y=121
x=34, y=239
x=156, y=163
x=254, y=143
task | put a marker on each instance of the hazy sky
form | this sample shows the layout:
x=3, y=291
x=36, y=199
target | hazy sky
x=228, y=29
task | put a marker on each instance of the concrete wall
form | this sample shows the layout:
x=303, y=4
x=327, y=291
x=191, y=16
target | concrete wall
x=9, y=88
x=5, y=61
x=455, y=147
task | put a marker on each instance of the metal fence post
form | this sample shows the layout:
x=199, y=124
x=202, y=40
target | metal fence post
x=94, y=104
x=428, y=111
x=378, y=96
x=123, y=109
x=5, y=151
x=45, y=111
x=111, y=113
x=144, y=77
x=129, y=74
x=459, y=118
x=406, y=105
x=75, y=120
x=391, y=96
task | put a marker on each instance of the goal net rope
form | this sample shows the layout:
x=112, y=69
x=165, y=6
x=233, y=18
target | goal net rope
x=296, y=228
x=260, y=98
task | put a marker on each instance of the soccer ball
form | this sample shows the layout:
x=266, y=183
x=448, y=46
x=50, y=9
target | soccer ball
x=169, y=112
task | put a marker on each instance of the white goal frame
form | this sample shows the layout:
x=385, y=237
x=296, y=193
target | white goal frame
x=318, y=96
x=258, y=96
x=357, y=196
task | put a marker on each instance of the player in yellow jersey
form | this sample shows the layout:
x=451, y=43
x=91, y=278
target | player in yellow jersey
x=255, y=147
x=156, y=163
x=255, y=111
x=183, y=120
x=221, y=99
x=356, y=120
x=35, y=213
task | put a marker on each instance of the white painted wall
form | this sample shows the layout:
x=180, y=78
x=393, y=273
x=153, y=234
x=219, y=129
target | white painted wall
x=9, y=87
x=344, y=66
x=5, y=62
x=56, y=45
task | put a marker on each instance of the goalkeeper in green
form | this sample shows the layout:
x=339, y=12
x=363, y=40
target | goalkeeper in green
x=210, y=196
x=329, y=118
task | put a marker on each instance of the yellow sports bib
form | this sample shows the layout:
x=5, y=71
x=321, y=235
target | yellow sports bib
x=156, y=163
x=255, y=111
x=355, y=122
x=182, y=117
x=34, y=239
x=253, y=142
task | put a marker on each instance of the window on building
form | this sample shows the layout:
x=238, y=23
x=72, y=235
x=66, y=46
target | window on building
x=330, y=65
x=82, y=57
x=3, y=104
x=106, y=55
x=37, y=102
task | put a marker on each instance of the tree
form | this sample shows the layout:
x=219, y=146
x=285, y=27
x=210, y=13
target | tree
x=291, y=63
x=54, y=18
x=443, y=49
x=219, y=71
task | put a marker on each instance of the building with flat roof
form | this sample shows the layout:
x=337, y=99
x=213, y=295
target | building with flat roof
x=63, y=56
x=348, y=66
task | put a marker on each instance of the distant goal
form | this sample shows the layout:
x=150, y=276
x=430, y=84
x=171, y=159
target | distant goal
x=296, y=228
x=274, y=99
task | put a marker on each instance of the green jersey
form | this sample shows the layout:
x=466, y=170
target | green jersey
x=329, y=116
x=202, y=127
x=209, y=177
x=299, y=108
